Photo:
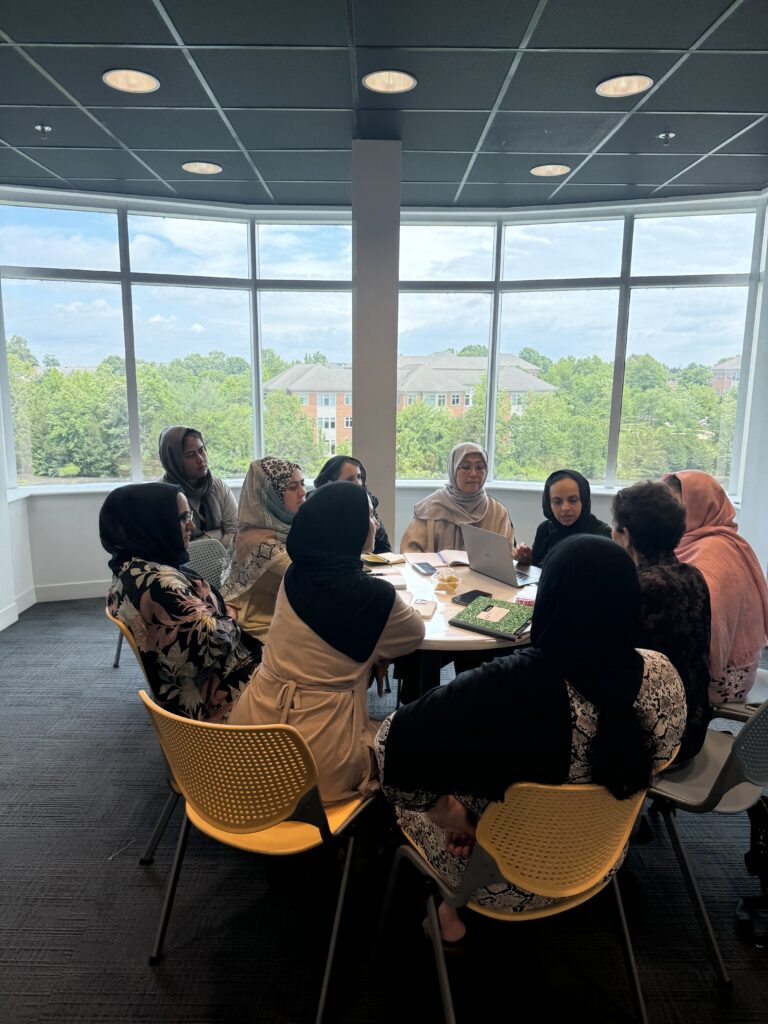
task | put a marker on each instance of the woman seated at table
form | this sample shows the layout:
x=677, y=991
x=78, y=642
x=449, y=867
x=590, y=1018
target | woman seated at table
x=332, y=627
x=648, y=521
x=737, y=590
x=438, y=518
x=344, y=467
x=272, y=492
x=185, y=460
x=581, y=705
x=567, y=507
x=195, y=657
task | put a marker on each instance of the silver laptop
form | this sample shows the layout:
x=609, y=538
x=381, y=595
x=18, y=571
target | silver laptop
x=489, y=554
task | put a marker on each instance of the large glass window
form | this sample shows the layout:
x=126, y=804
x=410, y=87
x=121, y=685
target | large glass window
x=553, y=390
x=180, y=245
x=442, y=346
x=712, y=244
x=193, y=368
x=314, y=252
x=444, y=252
x=66, y=369
x=675, y=414
x=574, y=249
x=35, y=236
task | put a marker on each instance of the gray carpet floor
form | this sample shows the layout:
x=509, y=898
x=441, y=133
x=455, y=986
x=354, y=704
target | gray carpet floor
x=81, y=786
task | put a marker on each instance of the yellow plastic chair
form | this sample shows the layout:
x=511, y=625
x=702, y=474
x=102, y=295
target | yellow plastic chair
x=559, y=841
x=148, y=856
x=254, y=787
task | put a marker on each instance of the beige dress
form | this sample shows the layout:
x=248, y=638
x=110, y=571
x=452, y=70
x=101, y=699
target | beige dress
x=440, y=534
x=256, y=607
x=304, y=682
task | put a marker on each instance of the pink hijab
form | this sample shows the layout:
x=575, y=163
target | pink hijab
x=737, y=587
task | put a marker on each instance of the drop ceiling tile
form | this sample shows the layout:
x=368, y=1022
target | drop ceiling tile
x=630, y=170
x=247, y=192
x=652, y=24
x=168, y=129
x=716, y=81
x=93, y=163
x=504, y=195
x=455, y=80
x=304, y=165
x=79, y=70
x=293, y=129
x=125, y=186
x=454, y=130
x=13, y=163
x=747, y=171
x=298, y=23
x=669, y=191
x=694, y=133
x=601, y=193
x=753, y=141
x=20, y=82
x=301, y=193
x=168, y=164
x=277, y=78
x=434, y=167
x=70, y=127
x=506, y=168
x=491, y=23
x=89, y=21
x=541, y=131
x=426, y=193
x=745, y=29
x=567, y=81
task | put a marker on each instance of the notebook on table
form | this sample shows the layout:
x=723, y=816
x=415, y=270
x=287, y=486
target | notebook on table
x=494, y=617
x=383, y=558
x=489, y=554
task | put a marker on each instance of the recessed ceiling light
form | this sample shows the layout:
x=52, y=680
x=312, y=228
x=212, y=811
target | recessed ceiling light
x=550, y=170
x=201, y=167
x=130, y=80
x=623, y=85
x=389, y=81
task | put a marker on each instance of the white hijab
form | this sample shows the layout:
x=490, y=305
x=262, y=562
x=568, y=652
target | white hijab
x=449, y=502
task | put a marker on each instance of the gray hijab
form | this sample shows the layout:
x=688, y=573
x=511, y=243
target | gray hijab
x=201, y=494
x=449, y=502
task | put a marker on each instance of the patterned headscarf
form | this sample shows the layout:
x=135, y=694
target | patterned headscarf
x=263, y=523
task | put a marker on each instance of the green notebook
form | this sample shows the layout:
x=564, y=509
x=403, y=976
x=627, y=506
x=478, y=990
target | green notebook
x=495, y=617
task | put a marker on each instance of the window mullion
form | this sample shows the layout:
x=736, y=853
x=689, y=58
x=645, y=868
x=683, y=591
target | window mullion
x=493, y=356
x=131, y=384
x=256, y=369
x=620, y=355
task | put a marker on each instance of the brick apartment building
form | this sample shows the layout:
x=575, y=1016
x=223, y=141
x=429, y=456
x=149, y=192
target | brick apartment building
x=726, y=374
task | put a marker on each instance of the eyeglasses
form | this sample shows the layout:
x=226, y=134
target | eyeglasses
x=186, y=517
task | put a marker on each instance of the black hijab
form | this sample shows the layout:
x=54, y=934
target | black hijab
x=510, y=720
x=325, y=584
x=142, y=521
x=330, y=471
x=553, y=532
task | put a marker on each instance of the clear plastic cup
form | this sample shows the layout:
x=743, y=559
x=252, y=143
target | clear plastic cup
x=446, y=581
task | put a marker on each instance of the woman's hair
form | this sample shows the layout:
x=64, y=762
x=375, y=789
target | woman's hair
x=653, y=515
x=332, y=469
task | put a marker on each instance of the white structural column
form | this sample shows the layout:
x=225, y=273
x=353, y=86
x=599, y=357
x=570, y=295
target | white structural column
x=375, y=274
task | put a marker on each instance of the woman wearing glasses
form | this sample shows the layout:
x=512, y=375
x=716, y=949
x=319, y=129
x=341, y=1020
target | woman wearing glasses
x=195, y=655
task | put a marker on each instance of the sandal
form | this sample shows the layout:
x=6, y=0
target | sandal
x=454, y=947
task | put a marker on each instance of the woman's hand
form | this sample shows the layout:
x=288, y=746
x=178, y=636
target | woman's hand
x=380, y=669
x=523, y=554
x=231, y=611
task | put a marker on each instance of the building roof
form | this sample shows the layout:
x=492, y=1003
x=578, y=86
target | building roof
x=451, y=361
x=728, y=364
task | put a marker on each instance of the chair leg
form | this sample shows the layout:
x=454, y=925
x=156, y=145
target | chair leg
x=148, y=856
x=350, y=843
x=181, y=846
x=442, y=970
x=389, y=892
x=116, y=662
x=693, y=891
x=629, y=954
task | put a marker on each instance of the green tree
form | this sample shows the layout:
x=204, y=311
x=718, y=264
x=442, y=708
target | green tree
x=532, y=355
x=473, y=350
x=315, y=357
x=425, y=435
x=271, y=364
x=693, y=373
x=289, y=434
x=643, y=372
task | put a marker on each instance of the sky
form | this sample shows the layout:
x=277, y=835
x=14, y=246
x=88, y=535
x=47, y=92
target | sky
x=80, y=323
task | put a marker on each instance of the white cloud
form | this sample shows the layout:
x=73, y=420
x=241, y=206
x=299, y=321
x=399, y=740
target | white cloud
x=197, y=328
x=158, y=318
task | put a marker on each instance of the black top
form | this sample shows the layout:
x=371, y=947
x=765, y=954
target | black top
x=142, y=521
x=551, y=532
x=330, y=473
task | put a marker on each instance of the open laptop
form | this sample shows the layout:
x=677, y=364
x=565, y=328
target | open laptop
x=489, y=554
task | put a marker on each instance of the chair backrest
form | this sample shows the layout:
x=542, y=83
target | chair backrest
x=750, y=748
x=555, y=841
x=128, y=635
x=206, y=557
x=239, y=778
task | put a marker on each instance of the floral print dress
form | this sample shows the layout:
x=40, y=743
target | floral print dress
x=195, y=656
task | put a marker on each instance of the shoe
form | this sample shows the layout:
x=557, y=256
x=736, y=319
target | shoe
x=453, y=947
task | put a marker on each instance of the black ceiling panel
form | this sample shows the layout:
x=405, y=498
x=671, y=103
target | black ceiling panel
x=567, y=81
x=423, y=193
x=694, y=133
x=675, y=190
x=745, y=29
x=601, y=193
x=260, y=22
x=514, y=132
x=79, y=70
x=490, y=23
x=12, y=162
x=450, y=80
x=34, y=182
x=434, y=166
x=747, y=171
x=90, y=163
x=632, y=170
x=277, y=78
x=753, y=141
x=304, y=165
x=233, y=164
x=247, y=192
x=20, y=82
x=650, y=24
x=293, y=129
x=150, y=187
x=716, y=81
x=501, y=168
x=456, y=131
x=168, y=129
x=70, y=127
x=321, y=193
x=505, y=195
x=84, y=21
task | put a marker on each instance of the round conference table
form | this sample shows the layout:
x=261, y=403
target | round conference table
x=441, y=638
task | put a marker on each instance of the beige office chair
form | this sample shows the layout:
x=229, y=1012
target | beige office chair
x=253, y=787
x=560, y=841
